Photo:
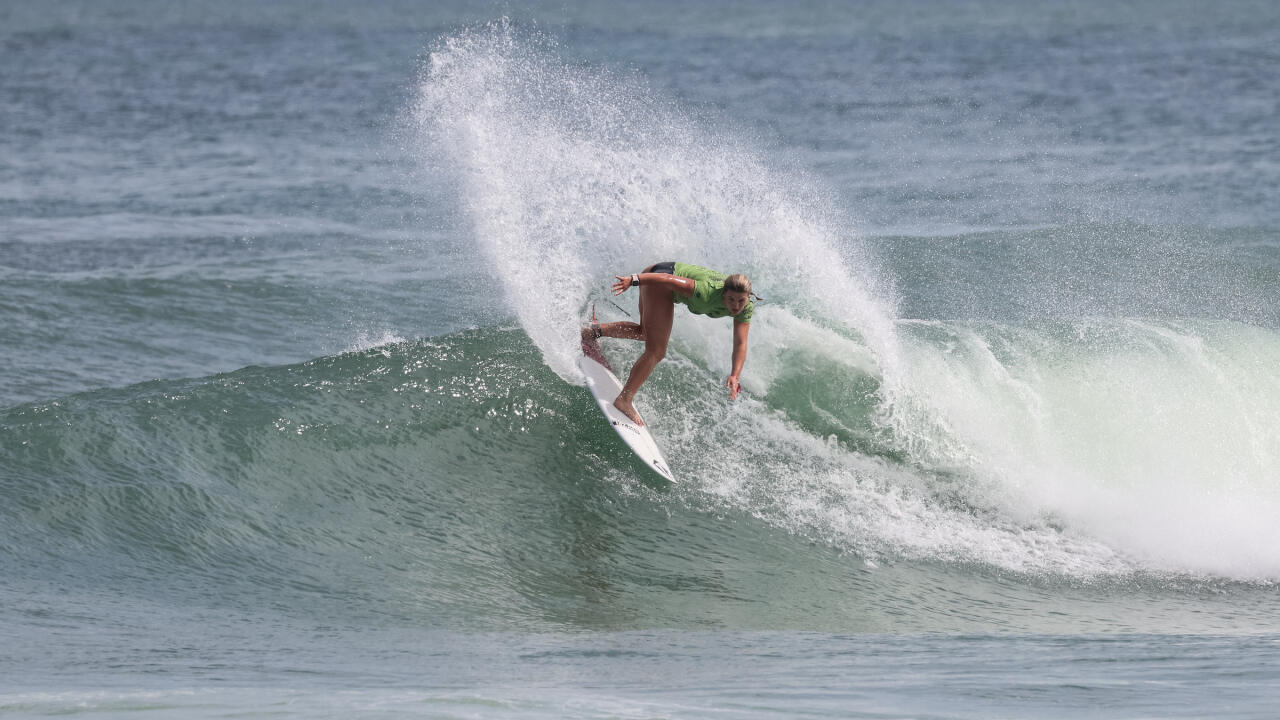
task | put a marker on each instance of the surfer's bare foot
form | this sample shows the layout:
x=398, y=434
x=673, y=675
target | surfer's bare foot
x=627, y=408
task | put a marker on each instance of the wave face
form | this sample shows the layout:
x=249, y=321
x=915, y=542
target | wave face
x=458, y=482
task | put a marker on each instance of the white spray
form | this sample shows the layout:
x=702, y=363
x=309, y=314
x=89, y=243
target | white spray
x=571, y=175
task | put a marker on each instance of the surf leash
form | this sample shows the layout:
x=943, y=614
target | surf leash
x=624, y=312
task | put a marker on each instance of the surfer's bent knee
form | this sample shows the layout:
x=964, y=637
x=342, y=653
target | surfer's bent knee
x=655, y=350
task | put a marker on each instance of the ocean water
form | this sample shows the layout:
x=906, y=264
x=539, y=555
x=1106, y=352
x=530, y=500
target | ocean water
x=290, y=424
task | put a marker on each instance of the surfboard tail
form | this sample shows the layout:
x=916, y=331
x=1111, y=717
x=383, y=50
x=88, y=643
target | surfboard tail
x=591, y=348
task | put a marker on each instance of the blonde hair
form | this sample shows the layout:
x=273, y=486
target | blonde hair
x=738, y=283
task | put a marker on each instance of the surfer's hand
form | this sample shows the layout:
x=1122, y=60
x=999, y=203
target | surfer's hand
x=622, y=284
x=734, y=387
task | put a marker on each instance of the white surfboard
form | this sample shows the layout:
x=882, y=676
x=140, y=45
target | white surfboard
x=604, y=387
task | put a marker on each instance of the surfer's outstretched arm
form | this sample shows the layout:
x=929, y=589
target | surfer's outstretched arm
x=740, y=331
x=674, y=283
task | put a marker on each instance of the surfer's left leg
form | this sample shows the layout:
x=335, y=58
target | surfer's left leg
x=657, y=311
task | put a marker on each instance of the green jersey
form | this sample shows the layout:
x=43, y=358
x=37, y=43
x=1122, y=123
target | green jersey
x=708, y=293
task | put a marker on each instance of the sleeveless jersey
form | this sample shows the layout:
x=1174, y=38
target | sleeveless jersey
x=708, y=293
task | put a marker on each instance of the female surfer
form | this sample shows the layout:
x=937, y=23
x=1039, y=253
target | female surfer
x=704, y=292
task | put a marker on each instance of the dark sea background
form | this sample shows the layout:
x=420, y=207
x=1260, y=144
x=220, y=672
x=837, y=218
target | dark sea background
x=290, y=424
